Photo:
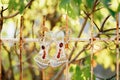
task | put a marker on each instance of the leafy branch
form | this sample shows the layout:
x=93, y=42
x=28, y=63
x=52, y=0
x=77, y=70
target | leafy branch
x=18, y=12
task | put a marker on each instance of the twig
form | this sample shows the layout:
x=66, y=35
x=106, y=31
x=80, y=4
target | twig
x=15, y=45
x=93, y=21
x=10, y=60
x=109, y=34
x=82, y=28
x=112, y=29
x=5, y=9
x=33, y=29
x=1, y=20
x=102, y=26
x=7, y=17
x=84, y=48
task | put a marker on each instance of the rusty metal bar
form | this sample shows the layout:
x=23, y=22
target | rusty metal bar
x=70, y=39
x=92, y=40
x=21, y=42
x=117, y=47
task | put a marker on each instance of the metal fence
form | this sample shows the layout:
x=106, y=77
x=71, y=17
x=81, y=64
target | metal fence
x=22, y=40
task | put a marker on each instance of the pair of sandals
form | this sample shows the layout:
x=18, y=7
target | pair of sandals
x=43, y=59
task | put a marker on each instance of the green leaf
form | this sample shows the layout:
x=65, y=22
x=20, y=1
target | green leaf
x=64, y=4
x=71, y=69
x=77, y=69
x=27, y=0
x=113, y=13
x=22, y=6
x=12, y=5
x=72, y=7
x=78, y=2
x=106, y=4
x=77, y=74
x=76, y=6
x=118, y=10
x=89, y=3
x=71, y=12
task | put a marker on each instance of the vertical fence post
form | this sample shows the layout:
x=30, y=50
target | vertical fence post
x=21, y=41
x=117, y=46
x=91, y=56
x=42, y=34
x=66, y=47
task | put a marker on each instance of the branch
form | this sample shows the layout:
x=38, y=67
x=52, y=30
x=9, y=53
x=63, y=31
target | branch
x=102, y=26
x=7, y=17
x=10, y=61
x=84, y=48
x=112, y=29
x=1, y=25
x=1, y=20
x=15, y=45
x=5, y=9
x=93, y=21
x=83, y=26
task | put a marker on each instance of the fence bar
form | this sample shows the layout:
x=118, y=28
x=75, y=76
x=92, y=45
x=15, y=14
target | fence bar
x=70, y=39
x=21, y=41
x=66, y=47
x=92, y=40
x=117, y=47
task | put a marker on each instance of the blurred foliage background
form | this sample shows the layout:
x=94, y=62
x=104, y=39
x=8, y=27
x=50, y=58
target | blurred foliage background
x=79, y=12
